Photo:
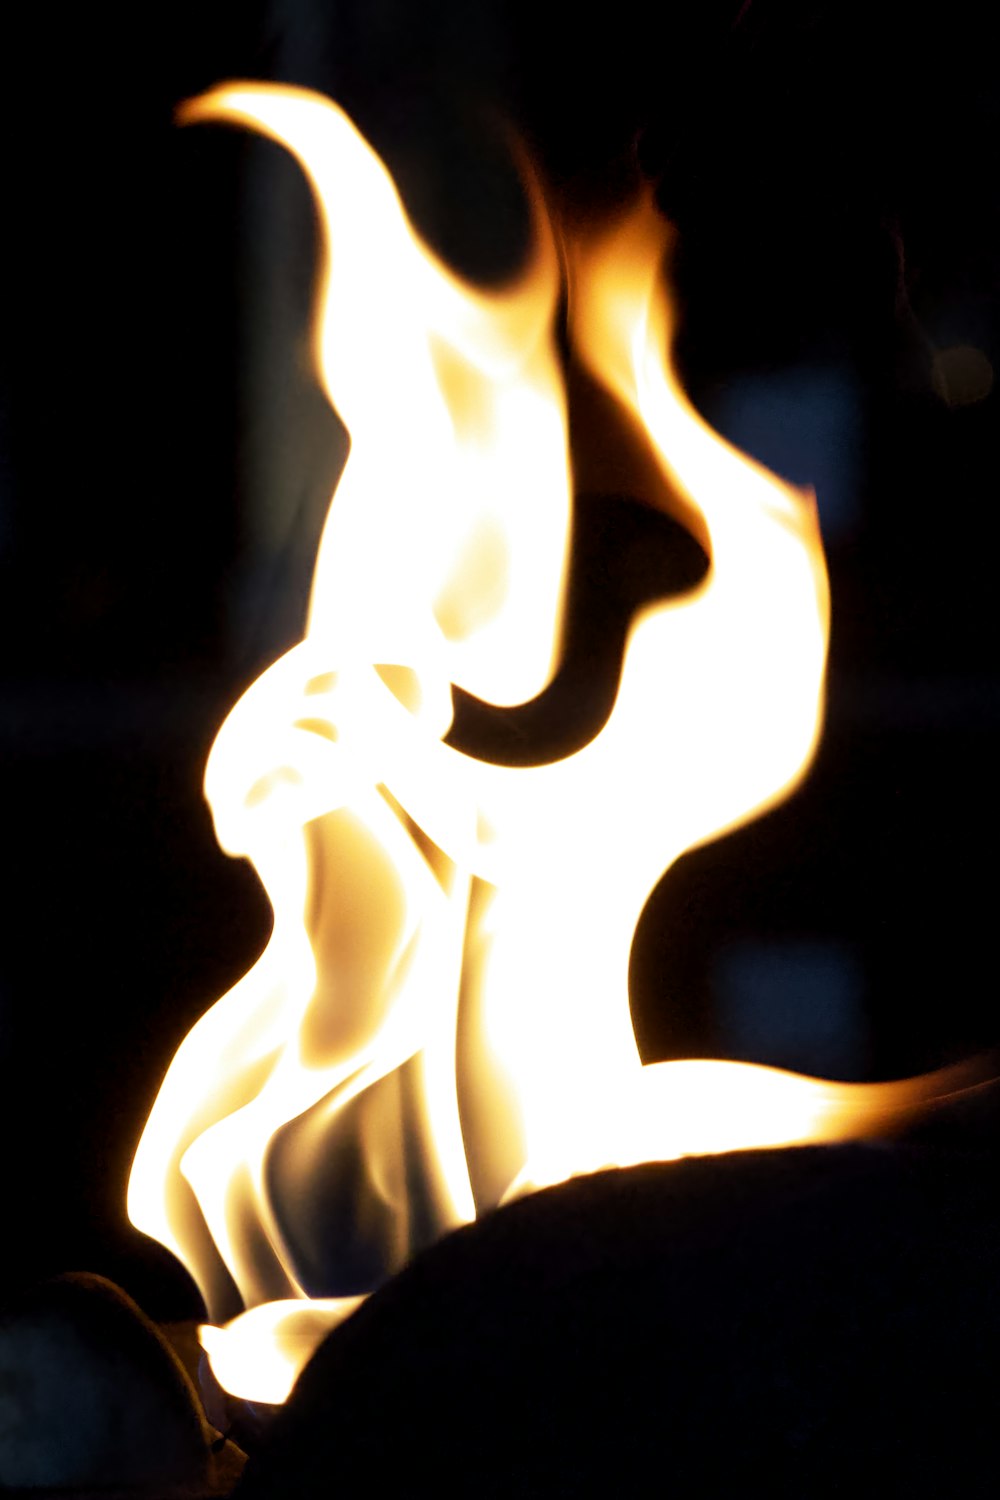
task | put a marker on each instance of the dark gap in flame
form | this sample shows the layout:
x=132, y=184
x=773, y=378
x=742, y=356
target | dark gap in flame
x=351, y=1185
x=625, y=555
x=341, y=1233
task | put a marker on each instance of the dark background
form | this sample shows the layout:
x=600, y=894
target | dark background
x=165, y=464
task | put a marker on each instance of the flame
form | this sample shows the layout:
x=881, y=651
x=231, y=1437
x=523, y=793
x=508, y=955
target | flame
x=441, y=1017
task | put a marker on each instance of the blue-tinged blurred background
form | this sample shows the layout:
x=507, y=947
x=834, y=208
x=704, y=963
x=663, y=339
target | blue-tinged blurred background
x=165, y=465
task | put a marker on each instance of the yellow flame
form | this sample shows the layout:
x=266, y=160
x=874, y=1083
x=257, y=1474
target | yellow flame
x=273, y=1341
x=441, y=1017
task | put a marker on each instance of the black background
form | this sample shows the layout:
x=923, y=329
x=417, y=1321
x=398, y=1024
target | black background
x=832, y=172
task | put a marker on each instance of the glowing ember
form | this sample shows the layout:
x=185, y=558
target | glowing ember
x=441, y=1017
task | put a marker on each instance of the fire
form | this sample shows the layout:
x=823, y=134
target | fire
x=441, y=1017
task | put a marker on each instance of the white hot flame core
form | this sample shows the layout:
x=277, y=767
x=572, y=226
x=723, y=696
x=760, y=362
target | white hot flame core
x=441, y=1015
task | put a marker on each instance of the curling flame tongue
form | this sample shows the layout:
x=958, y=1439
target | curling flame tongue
x=441, y=1017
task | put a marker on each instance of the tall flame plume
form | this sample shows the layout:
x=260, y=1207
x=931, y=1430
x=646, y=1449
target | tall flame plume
x=441, y=1017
